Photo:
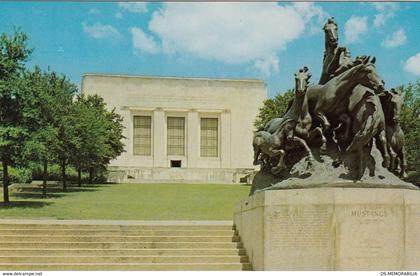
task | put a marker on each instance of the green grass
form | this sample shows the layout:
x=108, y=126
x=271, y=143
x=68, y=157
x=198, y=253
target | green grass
x=130, y=202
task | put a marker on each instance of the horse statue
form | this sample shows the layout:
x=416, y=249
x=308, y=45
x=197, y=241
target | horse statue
x=329, y=100
x=392, y=102
x=303, y=127
x=368, y=121
x=332, y=54
x=269, y=144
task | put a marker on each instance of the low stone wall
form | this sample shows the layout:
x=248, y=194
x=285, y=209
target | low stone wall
x=179, y=175
x=331, y=229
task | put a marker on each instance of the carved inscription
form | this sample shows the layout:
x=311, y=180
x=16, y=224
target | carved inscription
x=370, y=236
x=412, y=243
x=301, y=228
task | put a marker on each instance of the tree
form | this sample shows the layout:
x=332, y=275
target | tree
x=13, y=54
x=101, y=134
x=65, y=122
x=40, y=110
x=410, y=123
x=275, y=107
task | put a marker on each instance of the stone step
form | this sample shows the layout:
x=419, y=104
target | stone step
x=120, y=252
x=123, y=259
x=111, y=227
x=125, y=267
x=117, y=238
x=100, y=232
x=120, y=245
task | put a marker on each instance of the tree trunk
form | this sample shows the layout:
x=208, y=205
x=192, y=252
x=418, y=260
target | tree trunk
x=44, y=182
x=5, y=183
x=90, y=175
x=63, y=174
x=79, y=176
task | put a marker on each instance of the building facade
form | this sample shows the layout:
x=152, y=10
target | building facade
x=181, y=129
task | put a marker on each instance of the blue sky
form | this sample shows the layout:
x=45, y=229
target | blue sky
x=268, y=41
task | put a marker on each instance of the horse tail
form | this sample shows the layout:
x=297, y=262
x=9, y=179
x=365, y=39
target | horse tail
x=367, y=130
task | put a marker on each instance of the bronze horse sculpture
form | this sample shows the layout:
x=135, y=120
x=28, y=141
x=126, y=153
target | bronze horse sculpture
x=332, y=53
x=392, y=103
x=283, y=138
x=328, y=103
x=368, y=121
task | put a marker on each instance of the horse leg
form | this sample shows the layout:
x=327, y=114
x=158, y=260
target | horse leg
x=280, y=165
x=382, y=145
x=346, y=120
x=257, y=152
x=302, y=142
x=370, y=161
x=360, y=169
x=403, y=163
x=323, y=119
x=318, y=132
x=393, y=157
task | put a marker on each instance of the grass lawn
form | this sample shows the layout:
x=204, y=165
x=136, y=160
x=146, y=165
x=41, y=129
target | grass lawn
x=130, y=202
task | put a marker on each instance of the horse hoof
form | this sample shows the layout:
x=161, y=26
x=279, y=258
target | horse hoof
x=386, y=163
x=403, y=175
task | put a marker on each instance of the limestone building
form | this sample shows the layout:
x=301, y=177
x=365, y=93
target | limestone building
x=181, y=129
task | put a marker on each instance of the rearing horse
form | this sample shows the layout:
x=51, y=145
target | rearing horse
x=271, y=144
x=331, y=99
x=392, y=102
x=332, y=53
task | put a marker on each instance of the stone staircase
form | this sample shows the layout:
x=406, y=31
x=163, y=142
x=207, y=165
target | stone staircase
x=78, y=245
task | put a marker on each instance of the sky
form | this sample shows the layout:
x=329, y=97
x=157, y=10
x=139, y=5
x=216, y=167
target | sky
x=267, y=41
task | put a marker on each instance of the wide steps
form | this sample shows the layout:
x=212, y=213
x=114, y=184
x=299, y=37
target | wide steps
x=100, y=232
x=57, y=238
x=120, y=246
x=116, y=245
x=123, y=259
x=125, y=267
x=111, y=227
x=119, y=252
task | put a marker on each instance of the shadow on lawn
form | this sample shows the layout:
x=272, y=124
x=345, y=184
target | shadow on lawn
x=37, y=195
x=24, y=204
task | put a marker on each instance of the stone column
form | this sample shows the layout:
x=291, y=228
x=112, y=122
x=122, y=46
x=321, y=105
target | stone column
x=193, y=138
x=225, y=138
x=159, y=138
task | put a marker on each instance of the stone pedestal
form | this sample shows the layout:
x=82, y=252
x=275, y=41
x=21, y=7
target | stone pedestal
x=331, y=229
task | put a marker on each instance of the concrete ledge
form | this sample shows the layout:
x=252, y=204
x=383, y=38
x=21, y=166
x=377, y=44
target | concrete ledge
x=331, y=229
x=179, y=175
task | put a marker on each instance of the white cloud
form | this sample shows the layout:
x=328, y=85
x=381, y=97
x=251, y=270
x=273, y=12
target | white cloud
x=310, y=11
x=267, y=65
x=386, y=11
x=233, y=33
x=355, y=28
x=135, y=7
x=412, y=65
x=396, y=39
x=100, y=31
x=142, y=42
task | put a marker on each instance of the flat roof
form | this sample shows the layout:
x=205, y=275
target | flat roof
x=170, y=77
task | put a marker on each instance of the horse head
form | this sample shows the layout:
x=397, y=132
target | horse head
x=331, y=33
x=392, y=102
x=302, y=81
x=365, y=73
